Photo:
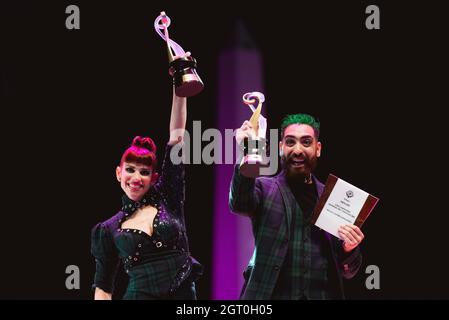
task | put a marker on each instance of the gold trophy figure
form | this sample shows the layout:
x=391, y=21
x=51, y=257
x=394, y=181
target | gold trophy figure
x=254, y=148
x=182, y=66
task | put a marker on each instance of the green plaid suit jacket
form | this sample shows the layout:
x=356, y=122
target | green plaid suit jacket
x=270, y=204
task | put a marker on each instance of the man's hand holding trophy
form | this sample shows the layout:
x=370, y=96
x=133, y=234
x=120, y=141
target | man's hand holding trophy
x=252, y=137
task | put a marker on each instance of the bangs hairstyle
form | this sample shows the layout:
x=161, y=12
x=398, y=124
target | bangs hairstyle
x=141, y=151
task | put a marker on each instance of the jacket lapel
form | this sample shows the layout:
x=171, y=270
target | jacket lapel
x=319, y=186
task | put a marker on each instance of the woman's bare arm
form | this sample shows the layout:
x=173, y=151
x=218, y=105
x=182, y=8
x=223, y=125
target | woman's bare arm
x=177, y=119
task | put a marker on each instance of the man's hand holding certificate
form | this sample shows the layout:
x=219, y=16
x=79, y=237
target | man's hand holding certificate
x=351, y=236
x=342, y=209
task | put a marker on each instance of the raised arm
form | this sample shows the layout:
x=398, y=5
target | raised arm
x=177, y=119
x=171, y=182
x=178, y=114
x=244, y=195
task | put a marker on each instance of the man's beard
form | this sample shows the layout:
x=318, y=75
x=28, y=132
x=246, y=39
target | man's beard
x=309, y=164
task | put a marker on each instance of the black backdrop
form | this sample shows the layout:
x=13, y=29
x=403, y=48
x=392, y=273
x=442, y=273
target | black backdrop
x=73, y=100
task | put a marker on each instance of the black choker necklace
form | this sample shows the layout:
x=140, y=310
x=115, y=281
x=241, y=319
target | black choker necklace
x=129, y=205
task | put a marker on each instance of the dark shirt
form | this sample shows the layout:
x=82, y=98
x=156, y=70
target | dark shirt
x=306, y=196
x=156, y=264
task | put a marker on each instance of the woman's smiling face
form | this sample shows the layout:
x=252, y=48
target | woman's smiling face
x=135, y=179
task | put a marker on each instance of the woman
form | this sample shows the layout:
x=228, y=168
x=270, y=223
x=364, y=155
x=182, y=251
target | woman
x=148, y=234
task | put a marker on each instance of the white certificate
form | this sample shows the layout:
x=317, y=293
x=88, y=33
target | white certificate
x=342, y=203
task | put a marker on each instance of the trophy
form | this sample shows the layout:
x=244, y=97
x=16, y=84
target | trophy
x=254, y=148
x=182, y=67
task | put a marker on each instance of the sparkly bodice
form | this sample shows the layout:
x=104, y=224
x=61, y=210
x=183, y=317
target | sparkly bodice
x=136, y=246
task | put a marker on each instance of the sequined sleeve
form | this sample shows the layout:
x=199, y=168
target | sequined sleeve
x=171, y=183
x=106, y=258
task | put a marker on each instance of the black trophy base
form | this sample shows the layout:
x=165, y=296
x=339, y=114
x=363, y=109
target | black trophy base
x=186, y=80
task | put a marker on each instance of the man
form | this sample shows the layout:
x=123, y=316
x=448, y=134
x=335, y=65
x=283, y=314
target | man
x=293, y=259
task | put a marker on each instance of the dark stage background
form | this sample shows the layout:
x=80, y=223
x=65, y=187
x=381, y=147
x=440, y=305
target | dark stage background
x=73, y=100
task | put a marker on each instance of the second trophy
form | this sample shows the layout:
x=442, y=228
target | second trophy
x=254, y=150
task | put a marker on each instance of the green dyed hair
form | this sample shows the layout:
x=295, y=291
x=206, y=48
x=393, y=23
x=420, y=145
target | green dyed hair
x=301, y=118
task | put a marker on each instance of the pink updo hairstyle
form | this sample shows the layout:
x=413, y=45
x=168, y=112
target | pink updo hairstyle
x=142, y=151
